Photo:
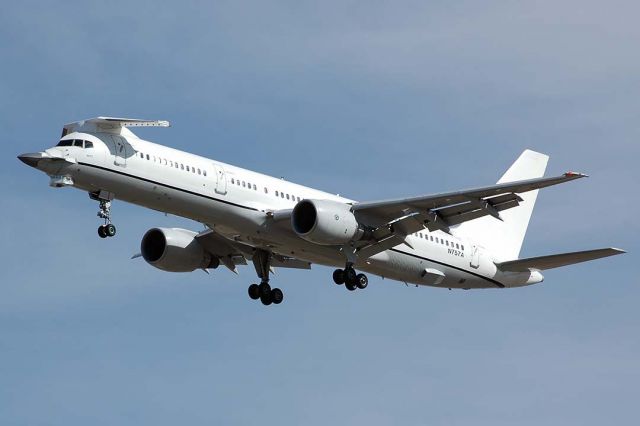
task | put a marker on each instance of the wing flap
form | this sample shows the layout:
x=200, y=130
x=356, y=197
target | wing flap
x=556, y=260
x=232, y=253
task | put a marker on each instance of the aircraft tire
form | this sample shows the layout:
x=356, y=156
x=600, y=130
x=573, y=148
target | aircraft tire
x=110, y=230
x=350, y=276
x=265, y=289
x=338, y=276
x=362, y=281
x=254, y=291
x=277, y=296
x=266, y=299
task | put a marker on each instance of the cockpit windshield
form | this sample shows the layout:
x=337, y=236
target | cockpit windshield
x=76, y=142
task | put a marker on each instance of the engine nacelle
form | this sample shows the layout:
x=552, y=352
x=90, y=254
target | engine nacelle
x=325, y=222
x=175, y=250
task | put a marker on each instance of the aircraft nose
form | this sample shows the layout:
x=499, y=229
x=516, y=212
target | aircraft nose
x=30, y=159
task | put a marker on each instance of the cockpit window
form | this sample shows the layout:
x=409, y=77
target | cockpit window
x=76, y=142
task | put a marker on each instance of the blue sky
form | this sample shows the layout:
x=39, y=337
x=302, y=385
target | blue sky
x=367, y=99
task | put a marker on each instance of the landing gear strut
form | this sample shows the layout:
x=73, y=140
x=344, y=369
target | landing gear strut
x=350, y=278
x=108, y=229
x=263, y=291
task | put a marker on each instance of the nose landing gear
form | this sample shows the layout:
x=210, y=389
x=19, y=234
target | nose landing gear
x=108, y=229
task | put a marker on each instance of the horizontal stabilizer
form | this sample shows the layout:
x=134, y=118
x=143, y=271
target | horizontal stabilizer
x=556, y=260
x=110, y=125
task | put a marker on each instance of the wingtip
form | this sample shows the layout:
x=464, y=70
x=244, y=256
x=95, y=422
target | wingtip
x=575, y=174
x=617, y=250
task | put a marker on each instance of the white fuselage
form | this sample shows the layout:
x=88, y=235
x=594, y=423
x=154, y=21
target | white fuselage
x=237, y=203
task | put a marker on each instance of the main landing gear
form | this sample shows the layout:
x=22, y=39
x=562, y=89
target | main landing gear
x=350, y=278
x=108, y=229
x=263, y=291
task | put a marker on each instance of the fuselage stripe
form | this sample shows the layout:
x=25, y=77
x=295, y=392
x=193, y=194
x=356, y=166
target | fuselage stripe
x=167, y=186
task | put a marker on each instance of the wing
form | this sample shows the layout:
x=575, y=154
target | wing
x=556, y=260
x=232, y=253
x=393, y=220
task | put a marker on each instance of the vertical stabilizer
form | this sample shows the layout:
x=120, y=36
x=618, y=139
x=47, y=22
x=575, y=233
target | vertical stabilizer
x=503, y=239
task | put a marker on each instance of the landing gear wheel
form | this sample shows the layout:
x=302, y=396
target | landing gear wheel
x=110, y=230
x=338, y=276
x=350, y=276
x=362, y=281
x=254, y=291
x=276, y=296
x=266, y=299
x=102, y=232
x=350, y=286
x=265, y=290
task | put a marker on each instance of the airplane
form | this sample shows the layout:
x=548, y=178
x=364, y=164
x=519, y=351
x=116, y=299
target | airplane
x=468, y=239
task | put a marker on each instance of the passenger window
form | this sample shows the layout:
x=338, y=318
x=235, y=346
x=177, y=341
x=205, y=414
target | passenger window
x=67, y=142
x=193, y=170
x=244, y=184
x=181, y=166
x=457, y=246
x=199, y=172
x=88, y=144
x=204, y=172
x=276, y=193
x=147, y=156
x=287, y=196
x=282, y=195
x=265, y=190
x=141, y=154
x=462, y=247
x=188, y=168
x=447, y=243
x=233, y=181
x=255, y=188
x=165, y=162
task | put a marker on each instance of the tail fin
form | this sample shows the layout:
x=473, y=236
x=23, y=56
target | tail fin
x=504, y=238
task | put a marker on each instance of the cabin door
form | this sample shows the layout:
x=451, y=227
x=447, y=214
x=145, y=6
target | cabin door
x=475, y=257
x=221, y=179
x=120, y=153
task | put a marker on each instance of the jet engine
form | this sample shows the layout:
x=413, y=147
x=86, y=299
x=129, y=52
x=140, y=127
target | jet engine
x=175, y=250
x=325, y=222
